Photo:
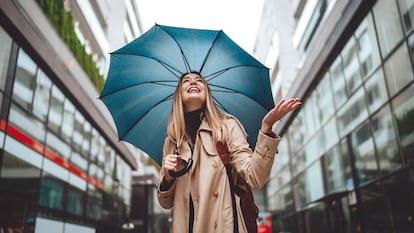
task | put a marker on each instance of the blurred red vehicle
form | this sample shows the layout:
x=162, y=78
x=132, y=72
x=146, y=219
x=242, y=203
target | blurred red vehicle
x=264, y=222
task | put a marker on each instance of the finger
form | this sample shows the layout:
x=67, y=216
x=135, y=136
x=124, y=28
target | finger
x=278, y=105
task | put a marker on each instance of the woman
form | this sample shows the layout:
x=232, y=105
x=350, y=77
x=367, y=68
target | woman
x=201, y=198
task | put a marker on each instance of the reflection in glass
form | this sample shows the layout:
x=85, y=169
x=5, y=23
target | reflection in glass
x=386, y=141
x=26, y=123
x=298, y=162
x=75, y=201
x=51, y=192
x=87, y=135
x=407, y=13
x=5, y=48
x=94, y=203
x=41, y=96
x=376, y=92
x=56, y=110
x=366, y=43
x=324, y=99
x=398, y=70
x=282, y=200
x=55, y=144
x=338, y=82
x=309, y=116
x=351, y=66
x=310, y=184
x=68, y=121
x=352, y=113
x=296, y=133
x=79, y=161
x=24, y=80
x=364, y=153
x=403, y=107
x=78, y=131
x=388, y=25
x=330, y=134
x=338, y=170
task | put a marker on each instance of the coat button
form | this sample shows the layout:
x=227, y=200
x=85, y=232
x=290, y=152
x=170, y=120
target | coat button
x=214, y=164
x=215, y=194
x=215, y=225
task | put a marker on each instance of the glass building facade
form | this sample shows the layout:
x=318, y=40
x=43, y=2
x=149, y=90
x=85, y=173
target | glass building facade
x=346, y=161
x=58, y=172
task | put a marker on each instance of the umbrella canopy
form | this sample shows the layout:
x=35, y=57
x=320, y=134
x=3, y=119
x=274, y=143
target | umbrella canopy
x=144, y=73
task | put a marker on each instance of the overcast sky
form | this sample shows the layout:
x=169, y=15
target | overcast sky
x=239, y=19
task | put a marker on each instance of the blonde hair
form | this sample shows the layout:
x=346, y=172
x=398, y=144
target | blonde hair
x=213, y=116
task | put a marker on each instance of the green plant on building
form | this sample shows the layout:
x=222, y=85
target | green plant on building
x=62, y=21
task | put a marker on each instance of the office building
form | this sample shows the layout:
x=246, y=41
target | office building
x=62, y=167
x=345, y=162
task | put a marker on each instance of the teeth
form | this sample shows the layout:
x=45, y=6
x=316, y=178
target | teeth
x=193, y=90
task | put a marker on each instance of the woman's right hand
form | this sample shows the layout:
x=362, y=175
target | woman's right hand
x=170, y=163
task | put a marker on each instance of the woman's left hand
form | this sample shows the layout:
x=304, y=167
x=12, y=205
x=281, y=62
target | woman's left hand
x=278, y=112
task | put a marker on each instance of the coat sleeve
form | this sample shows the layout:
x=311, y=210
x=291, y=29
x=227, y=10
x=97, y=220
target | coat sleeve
x=165, y=197
x=253, y=166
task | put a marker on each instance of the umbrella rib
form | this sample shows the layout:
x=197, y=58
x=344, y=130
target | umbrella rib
x=230, y=90
x=143, y=115
x=214, y=75
x=162, y=83
x=165, y=65
x=209, y=51
x=187, y=65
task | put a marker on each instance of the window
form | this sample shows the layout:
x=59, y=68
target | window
x=398, y=71
x=376, y=92
x=5, y=48
x=75, y=201
x=388, y=25
x=352, y=113
x=51, y=193
x=68, y=121
x=337, y=170
x=364, y=154
x=366, y=43
x=25, y=81
x=407, y=13
x=324, y=99
x=386, y=141
x=41, y=96
x=351, y=66
x=56, y=110
x=309, y=186
x=338, y=82
x=403, y=107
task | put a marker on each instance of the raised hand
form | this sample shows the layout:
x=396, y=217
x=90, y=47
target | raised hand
x=278, y=112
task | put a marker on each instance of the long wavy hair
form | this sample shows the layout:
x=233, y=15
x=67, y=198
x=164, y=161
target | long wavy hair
x=214, y=117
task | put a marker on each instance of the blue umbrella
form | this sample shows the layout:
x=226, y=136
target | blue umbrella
x=144, y=73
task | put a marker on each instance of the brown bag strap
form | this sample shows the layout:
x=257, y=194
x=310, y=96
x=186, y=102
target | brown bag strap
x=224, y=153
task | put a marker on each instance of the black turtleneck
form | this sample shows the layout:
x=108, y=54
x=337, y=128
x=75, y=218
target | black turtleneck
x=192, y=122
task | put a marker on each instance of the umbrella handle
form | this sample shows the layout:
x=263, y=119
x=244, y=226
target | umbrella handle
x=182, y=171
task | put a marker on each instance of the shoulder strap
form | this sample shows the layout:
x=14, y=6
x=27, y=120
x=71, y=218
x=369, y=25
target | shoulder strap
x=223, y=151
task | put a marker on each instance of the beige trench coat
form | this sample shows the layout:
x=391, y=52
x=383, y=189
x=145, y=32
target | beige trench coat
x=207, y=180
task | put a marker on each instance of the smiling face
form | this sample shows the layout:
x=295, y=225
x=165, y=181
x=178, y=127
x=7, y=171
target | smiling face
x=193, y=92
